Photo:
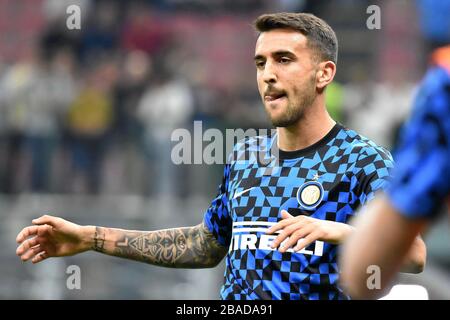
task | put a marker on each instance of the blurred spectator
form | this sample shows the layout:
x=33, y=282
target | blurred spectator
x=166, y=105
x=15, y=99
x=144, y=31
x=100, y=33
x=135, y=74
x=393, y=98
x=49, y=100
x=89, y=120
x=56, y=33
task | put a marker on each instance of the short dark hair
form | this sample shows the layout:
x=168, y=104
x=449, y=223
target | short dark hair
x=321, y=38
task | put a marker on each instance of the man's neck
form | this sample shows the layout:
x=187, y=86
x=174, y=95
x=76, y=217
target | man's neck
x=307, y=131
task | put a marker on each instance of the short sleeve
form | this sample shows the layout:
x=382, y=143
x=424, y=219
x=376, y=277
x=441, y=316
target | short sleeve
x=373, y=172
x=217, y=217
x=421, y=180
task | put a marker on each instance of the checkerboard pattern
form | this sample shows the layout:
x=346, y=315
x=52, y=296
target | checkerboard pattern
x=350, y=168
x=422, y=178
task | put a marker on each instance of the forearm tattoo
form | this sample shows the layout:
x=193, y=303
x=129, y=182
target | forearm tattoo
x=193, y=247
x=99, y=239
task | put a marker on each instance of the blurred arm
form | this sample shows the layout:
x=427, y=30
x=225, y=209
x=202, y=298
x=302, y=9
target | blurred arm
x=385, y=239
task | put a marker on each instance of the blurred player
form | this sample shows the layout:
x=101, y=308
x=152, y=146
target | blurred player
x=420, y=186
x=279, y=221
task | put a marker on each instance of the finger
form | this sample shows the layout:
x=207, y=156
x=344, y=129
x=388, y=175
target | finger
x=280, y=225
x=39, y=257
x=310, y=238
x=298, y=224
x=45, y=219
x=31, y=253
x=26, y=232
x=286, y=215
x=294, y=238
x=27, y=244
x=287, y=231
x=280, y=238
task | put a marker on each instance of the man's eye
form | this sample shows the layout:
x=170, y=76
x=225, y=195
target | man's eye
x=260, y=64
x=284, y=60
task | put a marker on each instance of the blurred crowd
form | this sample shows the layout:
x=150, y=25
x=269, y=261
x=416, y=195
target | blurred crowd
x=92, y=110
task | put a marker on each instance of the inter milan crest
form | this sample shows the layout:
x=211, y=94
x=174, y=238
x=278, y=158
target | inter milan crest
x=310, y=194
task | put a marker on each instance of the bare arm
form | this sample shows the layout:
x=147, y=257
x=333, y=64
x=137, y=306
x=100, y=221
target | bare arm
x=189, y=247
x=383, y=238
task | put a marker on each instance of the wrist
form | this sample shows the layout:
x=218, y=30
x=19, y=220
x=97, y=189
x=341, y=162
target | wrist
x=346, y=231
x=339, y=232
x=88, y=237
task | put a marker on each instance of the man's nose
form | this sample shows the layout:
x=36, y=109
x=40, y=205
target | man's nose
x=269, y=75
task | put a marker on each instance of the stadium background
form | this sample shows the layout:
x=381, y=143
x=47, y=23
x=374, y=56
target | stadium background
x=86, y=117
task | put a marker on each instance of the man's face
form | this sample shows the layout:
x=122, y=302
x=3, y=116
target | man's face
x=286, y=75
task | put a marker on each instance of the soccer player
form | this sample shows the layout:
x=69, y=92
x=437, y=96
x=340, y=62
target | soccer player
x=420, y=186
x=285, y=199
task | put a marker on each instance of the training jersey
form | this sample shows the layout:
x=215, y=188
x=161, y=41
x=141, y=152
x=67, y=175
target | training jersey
x=421, y=180
x=328, y=180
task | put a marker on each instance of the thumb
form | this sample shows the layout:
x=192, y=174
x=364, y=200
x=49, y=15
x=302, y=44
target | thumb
x=285, y=214
x=45, y=219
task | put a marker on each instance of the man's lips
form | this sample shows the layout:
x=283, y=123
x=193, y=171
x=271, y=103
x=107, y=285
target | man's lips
x=274, y=96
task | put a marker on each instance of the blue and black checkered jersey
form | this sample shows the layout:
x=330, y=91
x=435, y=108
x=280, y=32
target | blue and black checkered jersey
x=421, y=179
x=329, y=180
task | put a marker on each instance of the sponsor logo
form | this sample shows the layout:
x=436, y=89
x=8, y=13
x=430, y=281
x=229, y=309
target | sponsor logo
x=251, y=235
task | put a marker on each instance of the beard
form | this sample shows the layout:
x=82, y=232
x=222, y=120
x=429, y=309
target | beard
x=295, y=109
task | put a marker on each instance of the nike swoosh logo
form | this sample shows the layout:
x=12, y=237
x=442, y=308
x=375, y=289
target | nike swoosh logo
x=242, y=192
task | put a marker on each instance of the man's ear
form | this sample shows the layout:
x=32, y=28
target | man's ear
x=325, y=74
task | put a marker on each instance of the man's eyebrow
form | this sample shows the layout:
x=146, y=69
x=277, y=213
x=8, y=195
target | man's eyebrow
x=275, y=54
x=258, y=57
x=283, y=53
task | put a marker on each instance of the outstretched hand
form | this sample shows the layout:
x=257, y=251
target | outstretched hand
x=51, y=237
